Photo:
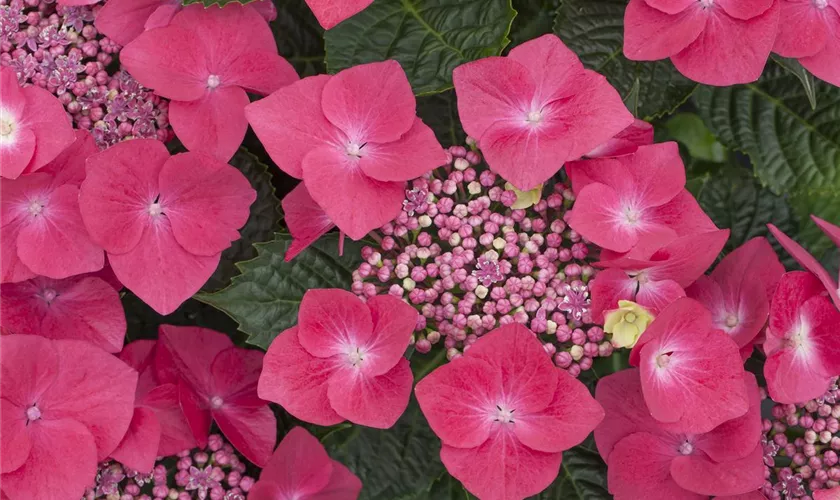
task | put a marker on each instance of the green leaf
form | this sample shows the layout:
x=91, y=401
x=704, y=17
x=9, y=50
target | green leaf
x=143, y=321
x=429, y=38
x=595, y=31
x=792, y=147
x=261, y=226
x=823, y=202
x=208, y=3
x=265, y=298
x=799, y=71
x=583, y=476
x=440, y=112
x=689, y=129
x=534, y=18
x=300, y=39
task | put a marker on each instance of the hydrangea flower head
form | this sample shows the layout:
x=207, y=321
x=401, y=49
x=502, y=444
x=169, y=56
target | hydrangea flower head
x=83, y=307
x=331, y=12
x=301, y=469
x=505, y=413
x=807, y=260
x=42, y=229
x=217, y=382
x=802, y=345
x=627, y=323
x=223, y=53
x=349, y=136
x=34, y=128
x=691, y=373
x=739, y=290
x=810, y=31
x=66, y=405
x=535, y=109
x=163, y=221
x=650, y=459
x=343, y=361
x=716, y=42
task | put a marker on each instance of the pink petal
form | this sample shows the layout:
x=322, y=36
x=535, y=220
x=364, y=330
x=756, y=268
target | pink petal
x=343, y=484
x=259, y=71
x=735, y=438
x=187, y=352
x=459, y=401
x=121, y=184
x=214, y=124
x=683, y=215
x=56, y=243
x=139, y=447
x=162, y=16
x=492, y=89
x=804, y=31
x=640, y=133
x=684, y=259
x=16, y=156
x=823, y=63
x=827, y=494
x=794, y=290
x=650, y=34
x=15, y=199
x=140, y=356
x=755, y=260
x=387, y=161
x=29, y=367
x=551, y=64
x=502, y=468
x=596, y=216
x=290, y=123
x=791, y=378
x=620, y=394
x=47, y=473
x=608, y=287
x=671, y=6
x=745, y=9
x=198, y=417
x=640, y=468
x=160, y=271
x=265, y=490
x=691, y=374
x=657, y=295
x=180, y=75
x=175, y=433
x=702, y=475
x=393, y=324
x=356, y=203
x=657, y=171
x=252, y=431
x=372, y=401
x=297, y=381
x=124, y=20
x=266, y=9
x=206, y=201
x=729, y=50
x=69, y=166
x=300, y=464
x=573, y=409
x=306, y=220
x=518, y=355
x=16, y=443
x=235, y=373
x=807, y=261
x=331, y=321
x=329, y=13
x=368, y=112
x=830, y=230
x=46, y=118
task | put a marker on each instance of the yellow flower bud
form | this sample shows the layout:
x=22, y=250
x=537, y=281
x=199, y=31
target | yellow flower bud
x=525, y=199
x=627, y=323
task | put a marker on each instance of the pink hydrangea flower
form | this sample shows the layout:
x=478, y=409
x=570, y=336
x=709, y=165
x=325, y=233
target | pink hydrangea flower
x=626, y=142
x=828, y=494
x=66, y=406
x=536, y=109
x=223, y=53
x=159, y=427
x=505, y=414
x=716, y=42
x=343, y=361
x=653, y=460
x=807, y=260
x=34, y=128
x=301, y=469
x=79, y=308
x=621, y=201
x=655, y=277
x=217, y=382
x=692, y=377
x=354, y=138
x=810, y=31
x=331, y=12
x=124, y=20
x=739, y=290
x=163, y=221
x=42, y=231
x=803, y=345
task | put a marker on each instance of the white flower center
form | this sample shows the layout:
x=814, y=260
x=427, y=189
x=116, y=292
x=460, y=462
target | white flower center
x=7, y=127
x=686, y=448
x=216, y=402
x=355, y=356
x=49, y=294
x=534, y=117
x=663, y=360
x=504, y=415
x=35, y=208
x=706, y=3
x=731, y=321
x=213, y=81
x=155, y=209
x=33, y=413
x=820, y=4
x=631, y=215
x=354, y=149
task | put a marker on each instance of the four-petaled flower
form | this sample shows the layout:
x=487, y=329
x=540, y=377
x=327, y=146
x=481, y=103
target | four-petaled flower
x=809, y=30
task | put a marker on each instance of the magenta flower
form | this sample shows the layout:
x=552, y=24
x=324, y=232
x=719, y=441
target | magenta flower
x=739, y=290
x=692, y=377
x=343, y=361
x=301, y=469
x=505, y=414
x=223, y=53
x=79, y=308
x=159, y=426
x=331, y=12
x=354, y=138
x=716, y=42
x=654, y=460
x=34, y=128
x=217, y=382
x=66, y=405
x=536, y=109
x=626, y=142
x=42, y=231
x=802, y=346
x=621, y=201
x=163, y=221
x=654, y=277
x=809, y=30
